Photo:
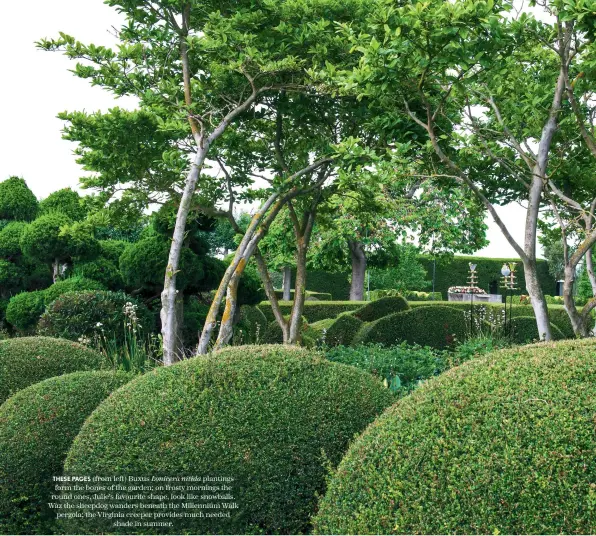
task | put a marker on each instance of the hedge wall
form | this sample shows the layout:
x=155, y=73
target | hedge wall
x=334, y=283
x=313, y=310
x=455, y=271
x=310, y=295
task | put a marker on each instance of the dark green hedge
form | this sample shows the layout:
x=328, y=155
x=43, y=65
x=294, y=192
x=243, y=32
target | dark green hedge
x=382, y=307
x=436, y=326
x=310, y=295
x=523, y=330
x=252, y=326
x=272, y=417
x=28, y=360
x=455, y=271
x=25, y=309
x=334, y=283
x=313, y=310
x=343, y=330
x=500, y=445
x=37, y=427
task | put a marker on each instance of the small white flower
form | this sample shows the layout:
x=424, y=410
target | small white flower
x=98, y=325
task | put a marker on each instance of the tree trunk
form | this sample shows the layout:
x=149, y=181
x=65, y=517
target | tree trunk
x=299, y=294
x=358, y=270
x=590, y=270
x=227, y=321
x=55, y=270
x=270, y=292
x=577, y=322
x=287, y=283
x=537, y=299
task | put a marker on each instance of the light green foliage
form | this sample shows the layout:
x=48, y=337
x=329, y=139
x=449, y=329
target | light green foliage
x=112, y=249
x=461, y=450
x=38, y=425
x=380, y=308
x=25, y=309
x=28, y=360
x=405, y=272
x=10, y=240
x=313, y=310
x=65, y=201
x=17, y=201
x=209, y=416
x=409, y=295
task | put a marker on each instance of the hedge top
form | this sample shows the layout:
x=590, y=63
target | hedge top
x=262, y=414
x=502, y=444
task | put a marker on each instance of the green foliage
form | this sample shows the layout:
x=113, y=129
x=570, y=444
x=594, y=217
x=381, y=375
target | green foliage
x=409, y=295
x=71, y=284
x=310, y=295
x=435, y=326
x=335, y=283
x=28, y=360
x=10, y=276
x=86, y=314
x=195, y=313
x=380, y=308
x=65, y=201
x=17, y=201
x=503, y=444
x=313, y=310
x=39, y=424
x=25, y=309
x=37, y=275
x=401, y=366
x=342, y=330
x=252, y=325
x=524, y=330
x=475, y=347
x=10, y=240
x=102, y=270
x=42, y=239
x=272, y=417
x=407, y=274
x=112, y=249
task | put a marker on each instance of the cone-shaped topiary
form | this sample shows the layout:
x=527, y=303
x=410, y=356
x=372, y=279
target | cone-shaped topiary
x=28, y=360
x=37, y=426
x=503, y=444
x=380, y=308
x=271, y=417
x=17, y=201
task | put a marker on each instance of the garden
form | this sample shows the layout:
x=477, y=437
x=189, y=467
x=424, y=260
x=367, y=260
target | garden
x=262, y=310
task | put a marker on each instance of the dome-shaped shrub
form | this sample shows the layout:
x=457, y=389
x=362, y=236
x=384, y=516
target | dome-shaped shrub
x=112, y=249
x=10, y=240
x=102, y=270
x=17, y=201
x=37, y=426
x=25, y=309
x=65, y=201
x=71, y=284
x=380, y=308
x=260, y=414
x=343, y=330
x=524, y=330
x=28, y=360
x=436, y=326
x=503, y=444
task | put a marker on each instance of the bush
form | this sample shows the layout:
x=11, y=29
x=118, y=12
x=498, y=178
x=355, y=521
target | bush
x=503, y=444
x=194, y=316
x=25, y=309
x=380, y=308
x=10, y=240
x=10, y=276
x=87, y=314
x=409, y=295
x=310, y=295
x=524, y=330
x=435, y=326
x=42, y=239
x=314, y=310
x=65, y=201
x=28, y=360
x=102, y=270
x=112, y=249
x=72, y=284
x=252, y=325
x=262, y=414
x=38, y=425
x=342, y=330
x=17, y=201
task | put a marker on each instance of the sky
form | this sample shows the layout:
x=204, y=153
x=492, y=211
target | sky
x=38, y=85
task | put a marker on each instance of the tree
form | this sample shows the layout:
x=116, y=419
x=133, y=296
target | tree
x=17, y=201
x=65, y=201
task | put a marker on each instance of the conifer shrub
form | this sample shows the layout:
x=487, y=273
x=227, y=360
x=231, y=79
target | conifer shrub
x=17, y=201
x=71, y=284
x=272, y=417
x=25, y=309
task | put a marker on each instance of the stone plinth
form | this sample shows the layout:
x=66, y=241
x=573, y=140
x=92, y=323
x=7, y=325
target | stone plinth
x=487, y=298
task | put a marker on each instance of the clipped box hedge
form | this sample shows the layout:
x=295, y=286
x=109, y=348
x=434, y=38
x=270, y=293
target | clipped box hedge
x=37, y=426
x=500, y=445
x=272, y=417
x=523, y=330
x=310, y=295
x=313, y=310
x=382, y=307
x=343, y=330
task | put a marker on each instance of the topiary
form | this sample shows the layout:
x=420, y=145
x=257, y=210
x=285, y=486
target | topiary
x=343, y=330
x=42, y=240
x=88, y=313
x=25, y=309
x=17, y=201
x=112, y=249
x=37, y=427
x=523, y=329
x=66, y=201
x=71, y=284
x=102, y=270
x=271, y=417
x=502, y=444
x=10, y=277
x=10, y=240
x=435, y=326
x=380, y=308
x=28, y=360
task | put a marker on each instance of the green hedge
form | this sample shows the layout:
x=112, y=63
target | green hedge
x=523, y=330
x=500, y=445
x=382, y=307
x=313, y=310
x=455, y=271
x=334, y=283
x=28, y=360
x=435, y=326
x=343, y=330
x=71, y=284
x=409, y=295
x=37, y=427
x=252, y=326
x=272, y=417
x=310, y=295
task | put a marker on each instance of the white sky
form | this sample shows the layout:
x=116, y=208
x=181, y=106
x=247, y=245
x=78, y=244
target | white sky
x=37, y=86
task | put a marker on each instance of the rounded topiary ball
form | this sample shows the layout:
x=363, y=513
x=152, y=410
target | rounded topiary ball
x=28, y=360
x=37, y=426
x=343, y=330
x=102, y=270
x=17, y=201
x=66, y=201
x=271, y=417
x=10, y=240
x=25, y=309
x=71, y=284
x=523, y=330
x=503, y=444
x=380, y=308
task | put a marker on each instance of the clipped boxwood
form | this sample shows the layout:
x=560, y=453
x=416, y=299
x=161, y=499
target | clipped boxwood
x=85, y=314
x=435, y=326
x=102, y=270
x=313, y=310
x=272, y=417
x=25, y=309
x=28, y=360
x=71, y=284
x=343, y=330
x=37, y=426
x=310, y=295
x=523, y=329
x=380, y=308
x=502, y=444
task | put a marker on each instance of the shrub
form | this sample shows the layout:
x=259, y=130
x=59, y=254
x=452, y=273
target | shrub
x=401, y=367
x=28, y=360
x=435, y=326
x=194, y=316
x=409, y=295
x=25, y=309
x=65, y=201
x=42, y=239
x=71, y=284
x=102, y=270
x=37, y=427
x=87, y=314
x=380, y=308
x=310, y=295
x=343, y=330
x=252, y=324
x=524, y=330
x=17, y=201
x=10, y=240
x=503, y=444
x=112, y=249
x=270, y=416
x=10, y=276
x=314, y=310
